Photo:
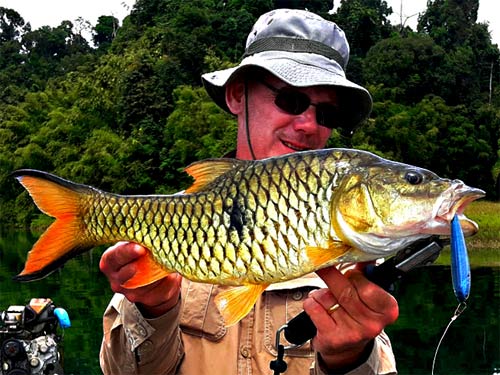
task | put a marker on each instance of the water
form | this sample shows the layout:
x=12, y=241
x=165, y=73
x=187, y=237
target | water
x=78, y=287
x=426, y=300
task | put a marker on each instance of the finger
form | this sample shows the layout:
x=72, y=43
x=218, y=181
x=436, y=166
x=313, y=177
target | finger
x=324, y=297
x=346, y=294
x=119, y=255
x=168, y=287
x=123, y=274
x=160, y=297
x=157, y=292
x=318, y=314
x=362, y=265
x=340, y=287
x=374, y=297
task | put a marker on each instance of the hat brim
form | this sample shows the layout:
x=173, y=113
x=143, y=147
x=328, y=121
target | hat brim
x=296, y=69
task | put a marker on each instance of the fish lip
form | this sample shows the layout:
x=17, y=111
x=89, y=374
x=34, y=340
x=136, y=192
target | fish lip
x=462, y=195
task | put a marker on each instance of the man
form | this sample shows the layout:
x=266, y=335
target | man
x=288, y=93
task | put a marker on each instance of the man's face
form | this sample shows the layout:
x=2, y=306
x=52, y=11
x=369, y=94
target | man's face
x=274, y=131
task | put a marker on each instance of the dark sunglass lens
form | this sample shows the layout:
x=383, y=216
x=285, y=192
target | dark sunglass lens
x=330, y=117
x=293, y=102
x=327, y=115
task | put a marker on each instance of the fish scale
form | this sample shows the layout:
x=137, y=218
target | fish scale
x=267, y=191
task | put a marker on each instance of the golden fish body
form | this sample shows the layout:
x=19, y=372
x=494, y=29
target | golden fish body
x=253, y=223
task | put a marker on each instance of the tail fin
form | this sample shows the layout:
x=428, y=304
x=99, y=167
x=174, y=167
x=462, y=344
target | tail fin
x=62, y=241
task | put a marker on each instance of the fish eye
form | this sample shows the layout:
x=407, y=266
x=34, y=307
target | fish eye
x=414, y=178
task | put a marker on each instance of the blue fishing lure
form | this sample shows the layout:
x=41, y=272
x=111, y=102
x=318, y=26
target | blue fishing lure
x=460, y=267
x=460, y=276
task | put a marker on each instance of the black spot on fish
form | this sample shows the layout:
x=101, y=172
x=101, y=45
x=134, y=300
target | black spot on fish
x=236, y=218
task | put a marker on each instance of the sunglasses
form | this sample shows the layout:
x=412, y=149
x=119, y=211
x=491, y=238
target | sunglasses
x=295, y=102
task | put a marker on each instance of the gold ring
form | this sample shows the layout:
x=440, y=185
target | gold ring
x=333, y=308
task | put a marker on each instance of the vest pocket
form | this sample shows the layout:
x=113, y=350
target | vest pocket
x=280, y=307
x=200, y=316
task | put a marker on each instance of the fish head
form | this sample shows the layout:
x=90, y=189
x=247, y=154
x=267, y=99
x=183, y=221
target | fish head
x=385, y=206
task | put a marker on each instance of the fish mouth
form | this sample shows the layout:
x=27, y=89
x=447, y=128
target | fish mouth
x=455, y=201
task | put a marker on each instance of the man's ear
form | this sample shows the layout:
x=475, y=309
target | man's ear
x=235, y=96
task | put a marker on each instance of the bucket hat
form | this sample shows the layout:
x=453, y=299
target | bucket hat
x=302, y=49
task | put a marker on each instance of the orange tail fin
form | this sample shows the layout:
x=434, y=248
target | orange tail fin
x=62, y=241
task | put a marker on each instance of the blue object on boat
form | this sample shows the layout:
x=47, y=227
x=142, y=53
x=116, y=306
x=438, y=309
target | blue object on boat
x=460, y=268
x=63, y=317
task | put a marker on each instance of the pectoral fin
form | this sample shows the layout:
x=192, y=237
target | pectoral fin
x=235, y=303
x=320, y=256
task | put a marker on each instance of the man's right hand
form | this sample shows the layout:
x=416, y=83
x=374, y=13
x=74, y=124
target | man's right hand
x=119, y=264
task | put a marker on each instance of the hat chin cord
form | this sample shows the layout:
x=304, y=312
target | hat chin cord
x=247, y=127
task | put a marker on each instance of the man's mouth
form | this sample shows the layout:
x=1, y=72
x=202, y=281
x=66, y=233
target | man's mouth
x=295, y=147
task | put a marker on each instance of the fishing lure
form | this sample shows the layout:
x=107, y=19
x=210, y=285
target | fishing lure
x=460, y=267
x=460, y=276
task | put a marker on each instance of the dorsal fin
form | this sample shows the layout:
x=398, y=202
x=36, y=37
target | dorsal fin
x=206, y=171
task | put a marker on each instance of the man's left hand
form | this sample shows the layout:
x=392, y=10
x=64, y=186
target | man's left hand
x=362, y=310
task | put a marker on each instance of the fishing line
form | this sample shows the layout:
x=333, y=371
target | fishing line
x=459, y=310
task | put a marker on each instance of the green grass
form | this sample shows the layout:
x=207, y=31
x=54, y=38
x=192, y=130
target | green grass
x=484, y=247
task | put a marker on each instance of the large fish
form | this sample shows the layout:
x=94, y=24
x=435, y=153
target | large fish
x=252, y=223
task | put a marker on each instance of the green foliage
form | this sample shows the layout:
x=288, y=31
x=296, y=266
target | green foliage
x=197, y=129
x=436, y=136
x=449, y=22
x=470, y=57
x=409, y=68
x=129, y=114
x=364, y=22
x=105, y=32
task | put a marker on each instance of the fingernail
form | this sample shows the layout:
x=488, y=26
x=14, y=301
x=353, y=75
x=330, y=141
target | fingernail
x=310, y=294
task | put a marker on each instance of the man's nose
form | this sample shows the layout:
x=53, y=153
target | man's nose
x=306, y=121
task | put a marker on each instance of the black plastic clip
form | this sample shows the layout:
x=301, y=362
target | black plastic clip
x=279, y=365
